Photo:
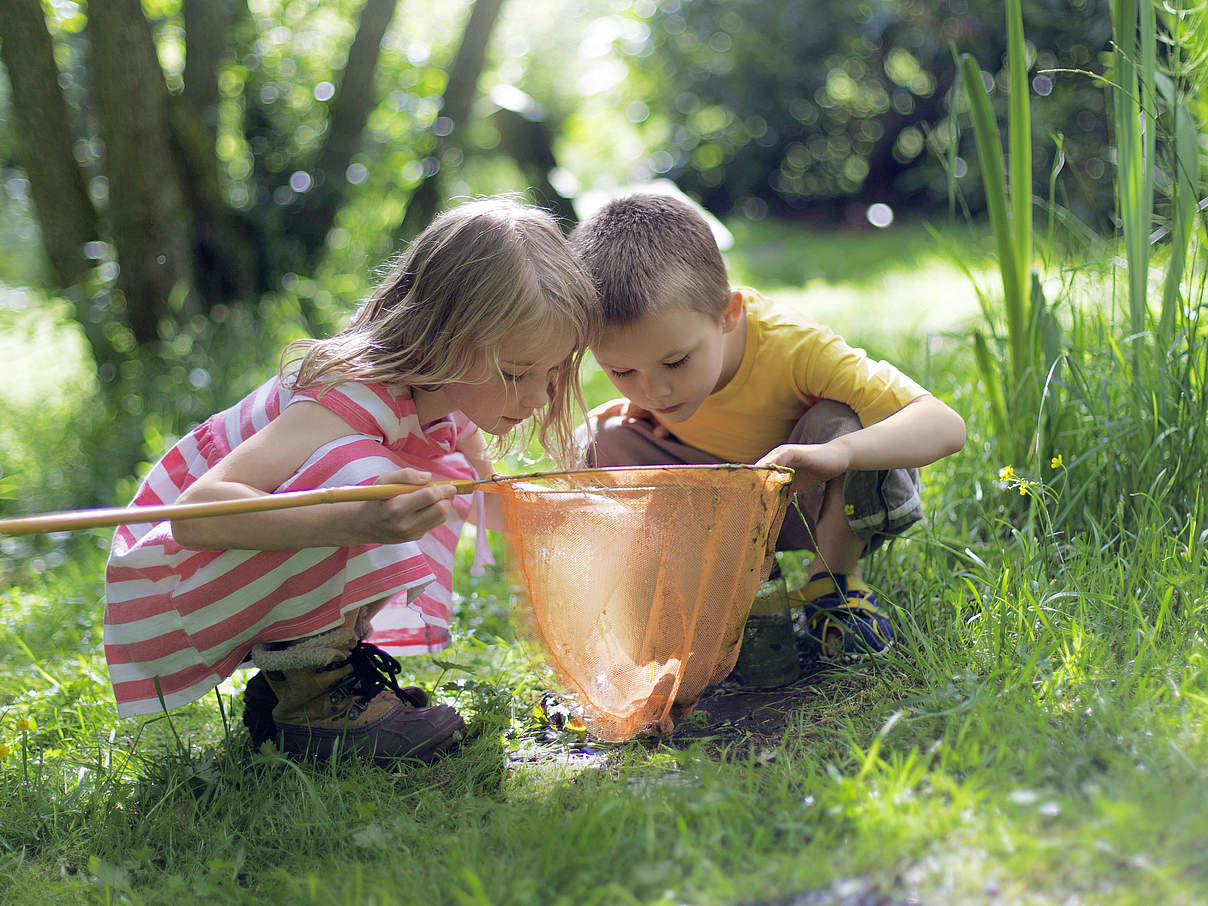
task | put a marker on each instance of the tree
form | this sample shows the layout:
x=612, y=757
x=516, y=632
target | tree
x=182, y=239
x=43, y=140
x=147, y=213
x=817, y=108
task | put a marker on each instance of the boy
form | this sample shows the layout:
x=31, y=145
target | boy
x=719, y=374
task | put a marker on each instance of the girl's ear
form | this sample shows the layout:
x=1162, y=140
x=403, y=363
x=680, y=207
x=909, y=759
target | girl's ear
x=732, y=315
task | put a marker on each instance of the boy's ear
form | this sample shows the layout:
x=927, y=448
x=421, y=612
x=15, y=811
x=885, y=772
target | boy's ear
x=732, y=315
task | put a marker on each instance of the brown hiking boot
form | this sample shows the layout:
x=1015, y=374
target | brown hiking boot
x=336, y=695
x=259, y=700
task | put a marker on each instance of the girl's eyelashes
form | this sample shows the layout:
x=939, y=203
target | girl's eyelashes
x=678, y=363
x=622, y=374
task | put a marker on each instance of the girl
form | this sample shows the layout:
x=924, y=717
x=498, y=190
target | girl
x=480, y=325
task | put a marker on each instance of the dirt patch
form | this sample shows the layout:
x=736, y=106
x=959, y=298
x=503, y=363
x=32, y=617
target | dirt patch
x=730, y=712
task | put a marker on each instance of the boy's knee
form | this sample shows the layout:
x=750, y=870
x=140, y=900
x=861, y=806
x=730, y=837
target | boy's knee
x=609, y=441
x=823, y=421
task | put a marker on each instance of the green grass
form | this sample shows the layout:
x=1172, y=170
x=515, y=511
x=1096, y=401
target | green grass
x=1036, y=737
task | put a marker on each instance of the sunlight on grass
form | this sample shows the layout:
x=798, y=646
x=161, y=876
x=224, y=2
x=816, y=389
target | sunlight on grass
x=44, y=354
x=930, y=298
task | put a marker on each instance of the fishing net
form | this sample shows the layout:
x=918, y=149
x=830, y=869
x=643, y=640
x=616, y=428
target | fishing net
x=634, y=583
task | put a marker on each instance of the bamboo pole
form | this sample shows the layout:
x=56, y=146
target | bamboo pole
x=73, y=520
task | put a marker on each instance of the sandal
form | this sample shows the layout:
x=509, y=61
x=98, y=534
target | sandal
x=840, y=618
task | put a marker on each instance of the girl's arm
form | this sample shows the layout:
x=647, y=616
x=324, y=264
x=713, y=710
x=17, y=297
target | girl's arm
x=474, y=447
x=268, y=458
x=918, y=434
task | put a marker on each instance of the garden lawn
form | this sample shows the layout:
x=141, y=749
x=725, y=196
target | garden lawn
x=1036, y=735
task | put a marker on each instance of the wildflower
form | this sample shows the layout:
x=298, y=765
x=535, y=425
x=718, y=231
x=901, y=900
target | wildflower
x=1056, y=462
x=5, y=751
x=22, y=725
x=849, y=509
x=1006, y=473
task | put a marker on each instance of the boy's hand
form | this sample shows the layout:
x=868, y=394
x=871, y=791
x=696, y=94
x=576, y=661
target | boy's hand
x=812, y=464
x=629, y=411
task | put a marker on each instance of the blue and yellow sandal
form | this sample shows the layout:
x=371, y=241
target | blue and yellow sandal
x=839, y=618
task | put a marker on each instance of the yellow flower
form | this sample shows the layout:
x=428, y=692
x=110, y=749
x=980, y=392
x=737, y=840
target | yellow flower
x=1024, y=489
x=22, y=725
x=1006, y=473
x=5, y=750
x=1056, y=462
x=849, y=509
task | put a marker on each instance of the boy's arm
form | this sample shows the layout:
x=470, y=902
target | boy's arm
x=918, y=434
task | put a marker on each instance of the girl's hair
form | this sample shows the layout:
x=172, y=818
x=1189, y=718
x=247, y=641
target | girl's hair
x=481, y=272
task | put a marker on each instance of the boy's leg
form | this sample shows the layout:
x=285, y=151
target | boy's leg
x=617, y=441
x=870, y=506
x=842, y=521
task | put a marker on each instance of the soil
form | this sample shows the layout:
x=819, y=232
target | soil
x=730, y=712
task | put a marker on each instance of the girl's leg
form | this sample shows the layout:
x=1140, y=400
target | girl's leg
x=334, y=693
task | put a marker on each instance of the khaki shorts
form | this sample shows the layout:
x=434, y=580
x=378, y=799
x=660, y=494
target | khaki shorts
x=878, y=504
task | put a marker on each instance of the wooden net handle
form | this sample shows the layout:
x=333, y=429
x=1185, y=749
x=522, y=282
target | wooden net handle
x=72, y=520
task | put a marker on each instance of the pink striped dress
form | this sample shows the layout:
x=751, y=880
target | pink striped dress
x=187, y=617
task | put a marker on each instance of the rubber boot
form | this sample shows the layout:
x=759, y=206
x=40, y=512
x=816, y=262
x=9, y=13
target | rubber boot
x=338, y=696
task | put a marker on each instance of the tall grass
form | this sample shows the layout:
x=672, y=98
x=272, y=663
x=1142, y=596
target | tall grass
x=1123, y=405
x=1032, y=336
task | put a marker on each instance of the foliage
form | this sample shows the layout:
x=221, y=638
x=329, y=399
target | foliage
x=1062, y=391
x=857, y=106
x=1035, y=735
x=1032, y=335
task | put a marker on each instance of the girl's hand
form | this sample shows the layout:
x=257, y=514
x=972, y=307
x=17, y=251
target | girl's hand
x=410, y=515
x=812, y=464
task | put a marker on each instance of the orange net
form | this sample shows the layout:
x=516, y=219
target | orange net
x=635, y=582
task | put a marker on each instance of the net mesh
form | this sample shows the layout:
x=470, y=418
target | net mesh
x=635, y=582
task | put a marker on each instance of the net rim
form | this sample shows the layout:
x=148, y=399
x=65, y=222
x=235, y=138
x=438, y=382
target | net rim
x=653, y=467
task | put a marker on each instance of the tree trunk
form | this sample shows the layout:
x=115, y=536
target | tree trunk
x=205, y=46
x=312, y=216
x=459, y=93
x=227, y=258
x=146, y=205
x=44, y=139
x=526, y=136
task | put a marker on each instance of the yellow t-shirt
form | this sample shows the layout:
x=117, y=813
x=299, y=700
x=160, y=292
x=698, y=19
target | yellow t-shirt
x=789, y=363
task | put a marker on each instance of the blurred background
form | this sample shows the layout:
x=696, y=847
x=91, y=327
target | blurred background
x=186, y=185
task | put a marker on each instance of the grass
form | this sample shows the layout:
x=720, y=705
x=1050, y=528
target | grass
x=1036, y=737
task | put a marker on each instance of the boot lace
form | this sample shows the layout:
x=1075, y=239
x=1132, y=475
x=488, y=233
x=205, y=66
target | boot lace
x=373, y=671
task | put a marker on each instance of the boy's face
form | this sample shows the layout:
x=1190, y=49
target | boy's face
x=670, y=361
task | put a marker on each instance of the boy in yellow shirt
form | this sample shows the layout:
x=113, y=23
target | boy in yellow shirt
x=713, y=373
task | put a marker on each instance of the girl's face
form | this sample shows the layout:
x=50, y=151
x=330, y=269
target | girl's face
x=529, y=362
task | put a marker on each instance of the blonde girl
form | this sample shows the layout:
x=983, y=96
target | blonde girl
x=477, y=329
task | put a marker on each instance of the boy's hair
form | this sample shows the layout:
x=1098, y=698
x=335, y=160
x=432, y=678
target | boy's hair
x=480, y=272
x=649, y=252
